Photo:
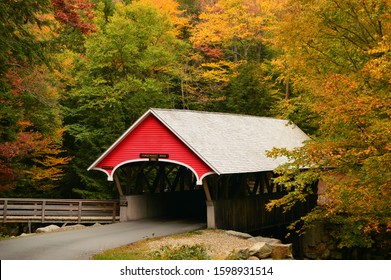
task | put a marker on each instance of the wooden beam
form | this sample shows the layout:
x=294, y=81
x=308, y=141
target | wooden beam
x=256, y=184
x=269, y=187
x=206, y=189
x=182, y=180
x=118, y=184
x=177, y=177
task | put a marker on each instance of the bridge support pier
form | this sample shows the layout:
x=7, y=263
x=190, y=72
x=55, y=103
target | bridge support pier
x=210, y=214
x=210, y=206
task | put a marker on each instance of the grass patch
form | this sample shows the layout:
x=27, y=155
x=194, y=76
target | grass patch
x=140, y=251
x=135, y=251
x=184, y=252
x=4, y=236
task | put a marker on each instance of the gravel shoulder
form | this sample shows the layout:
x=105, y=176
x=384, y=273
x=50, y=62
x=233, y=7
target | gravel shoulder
x=218, y=243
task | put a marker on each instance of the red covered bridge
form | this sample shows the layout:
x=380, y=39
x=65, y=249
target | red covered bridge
x=171, y=161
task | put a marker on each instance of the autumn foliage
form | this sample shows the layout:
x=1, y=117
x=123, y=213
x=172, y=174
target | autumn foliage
x=74, y=74
x=40, y=154
x=77, y=14
x=342, y=66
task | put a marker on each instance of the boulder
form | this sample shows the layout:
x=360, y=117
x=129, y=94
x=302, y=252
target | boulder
x=281, y=251
x=238, y=234
x=49, y=228
x=73, y=227
x=262, y=250
x=265, y=239
x=241, y=254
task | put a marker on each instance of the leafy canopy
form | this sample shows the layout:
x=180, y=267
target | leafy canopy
x=341, y=63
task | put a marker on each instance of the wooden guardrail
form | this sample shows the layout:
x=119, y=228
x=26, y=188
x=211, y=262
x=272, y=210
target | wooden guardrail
x=58, y=210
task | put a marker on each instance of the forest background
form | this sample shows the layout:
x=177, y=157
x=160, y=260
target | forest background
x=74, y=74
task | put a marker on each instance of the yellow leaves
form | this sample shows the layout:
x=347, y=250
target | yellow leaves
x=338, y=55
x=48, y=162
x=389, y=225
x=377, y=68
x=39, y=174
x=44, y=32
x=220, y=71
x=47, y=170
x=63, y=75
x=171, y=9
x=230, y=20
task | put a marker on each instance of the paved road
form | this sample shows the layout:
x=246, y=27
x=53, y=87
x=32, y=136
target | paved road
x=83, y=243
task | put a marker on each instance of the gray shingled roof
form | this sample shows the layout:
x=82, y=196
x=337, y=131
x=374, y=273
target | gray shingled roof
x=232, y=143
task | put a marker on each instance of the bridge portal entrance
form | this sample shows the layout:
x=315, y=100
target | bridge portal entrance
x=159, y=189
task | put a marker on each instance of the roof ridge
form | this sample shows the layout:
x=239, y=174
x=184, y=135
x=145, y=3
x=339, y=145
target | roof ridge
x=215, y=113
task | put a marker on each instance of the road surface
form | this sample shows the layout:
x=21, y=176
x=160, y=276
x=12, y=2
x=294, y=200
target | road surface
x=83, y=243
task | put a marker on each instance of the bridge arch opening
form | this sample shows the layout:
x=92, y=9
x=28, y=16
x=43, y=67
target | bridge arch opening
x=164, y=189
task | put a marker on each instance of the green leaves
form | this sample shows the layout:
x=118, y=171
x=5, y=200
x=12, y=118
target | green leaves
x=129, y=66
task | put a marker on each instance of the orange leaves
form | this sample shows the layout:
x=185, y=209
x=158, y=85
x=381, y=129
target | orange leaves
x=31, y=156
x=341, y=64
x=48, y=169
x=352, y=113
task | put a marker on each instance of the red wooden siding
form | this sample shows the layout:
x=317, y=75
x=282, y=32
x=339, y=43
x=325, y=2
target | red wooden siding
x=150, y=136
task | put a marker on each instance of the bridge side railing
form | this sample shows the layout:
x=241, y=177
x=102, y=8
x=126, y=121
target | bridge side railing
x=58, y=210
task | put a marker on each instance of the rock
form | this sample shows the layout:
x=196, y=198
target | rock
x=49, y=228
x=96, y=225
x=262, y=250
x=281, y=251
x=238, y=234
x=241, y=254
x=253, y=258
x=73, y=227
x=265, y=239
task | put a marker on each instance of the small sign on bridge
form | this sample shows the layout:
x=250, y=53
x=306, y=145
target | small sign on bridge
x=153, y=157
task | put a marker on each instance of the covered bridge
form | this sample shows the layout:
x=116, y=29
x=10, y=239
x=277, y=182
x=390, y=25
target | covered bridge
x=200, y=164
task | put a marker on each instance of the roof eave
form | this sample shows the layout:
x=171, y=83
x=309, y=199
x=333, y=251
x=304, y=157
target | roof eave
x=126, y=133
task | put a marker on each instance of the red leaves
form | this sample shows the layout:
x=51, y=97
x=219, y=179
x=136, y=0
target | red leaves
x=26, y=143
x=213, y=53
x=75, y=13
x=16, y=81
x=33, y=147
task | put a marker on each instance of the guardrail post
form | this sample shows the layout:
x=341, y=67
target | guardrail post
x=5, y=210
x=43, y=211
x=79, y=214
